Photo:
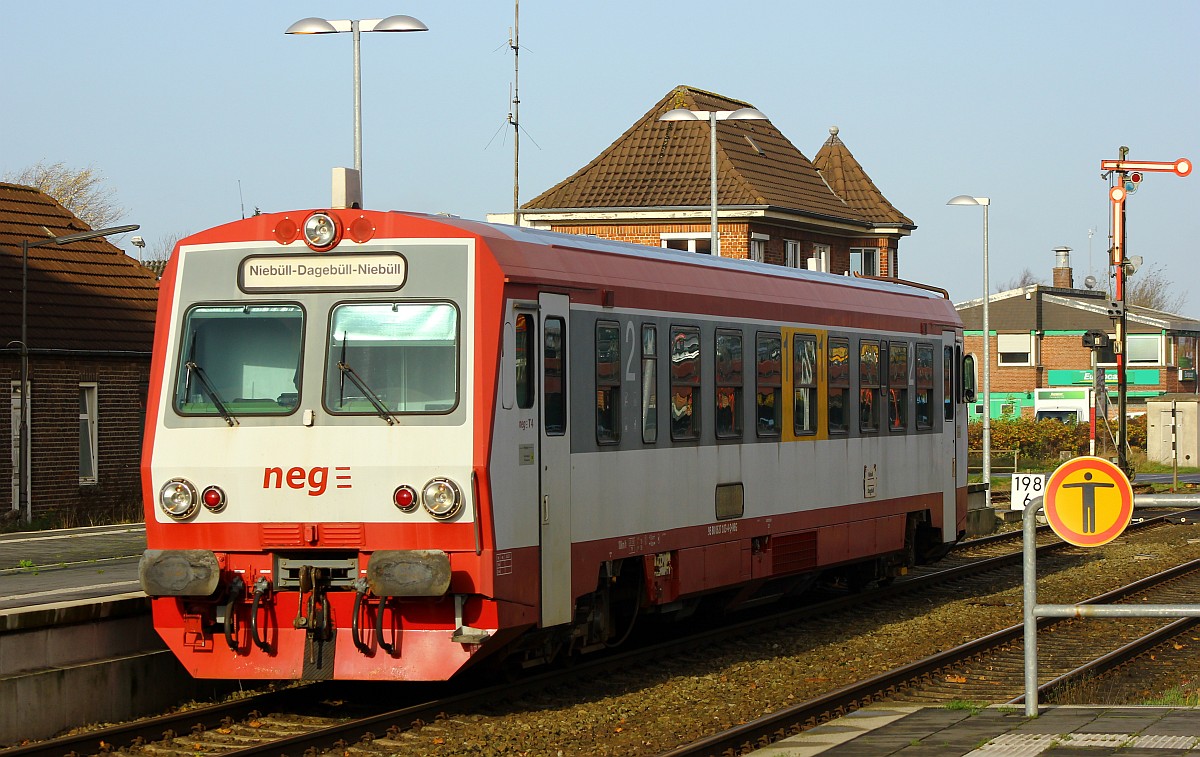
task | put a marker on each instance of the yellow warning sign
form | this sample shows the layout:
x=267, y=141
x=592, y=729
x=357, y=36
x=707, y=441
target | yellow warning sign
x=1089, y=501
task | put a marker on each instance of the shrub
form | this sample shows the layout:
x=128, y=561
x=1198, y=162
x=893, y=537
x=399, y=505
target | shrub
x=1041, y=440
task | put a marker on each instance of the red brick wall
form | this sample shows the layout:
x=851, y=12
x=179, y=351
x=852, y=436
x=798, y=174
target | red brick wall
x=735, y=239
x=54, y=440
x=1058, y=352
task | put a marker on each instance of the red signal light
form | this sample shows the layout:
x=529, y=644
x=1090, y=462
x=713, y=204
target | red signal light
x=1135, y=177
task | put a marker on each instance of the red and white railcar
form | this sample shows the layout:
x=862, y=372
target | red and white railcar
x=383, y=445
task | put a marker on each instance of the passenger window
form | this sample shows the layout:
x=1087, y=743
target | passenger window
x=948, y=382
x=925, y=401
x=868, y=386
x=730, y=383
x=768, y=402
x=524, y=347
x=608, y=383
x=685, y=382
x=649, y=384
x=804, y=372
x=839, y=385
x=554, y=367
x=897, y=386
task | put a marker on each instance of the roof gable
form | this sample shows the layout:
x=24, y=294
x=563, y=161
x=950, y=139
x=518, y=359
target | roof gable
x=666, y=164
x=86, y=295
x=848, y=179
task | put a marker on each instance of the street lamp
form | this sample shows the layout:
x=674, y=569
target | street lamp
x=987, y=349
x=712, y=116
x=314, y=25
x=23, y=439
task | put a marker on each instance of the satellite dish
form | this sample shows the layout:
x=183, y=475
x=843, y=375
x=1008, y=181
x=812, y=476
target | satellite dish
x=1090, y=282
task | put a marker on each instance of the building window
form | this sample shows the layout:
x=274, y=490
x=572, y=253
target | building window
x=864, y=260
x=685, y=382
x=792, y=251
x=768, y=400
x=730, y=382
x=758, y=247
x=687, y=242
x=649, y=384
x=820, y=258
x=89, y=464
x=1143, y=348
x=1014, y=349
x=608, y=383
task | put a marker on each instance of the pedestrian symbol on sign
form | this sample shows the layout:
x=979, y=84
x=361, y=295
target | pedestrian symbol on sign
x=1088, y=488
x=1089, y=501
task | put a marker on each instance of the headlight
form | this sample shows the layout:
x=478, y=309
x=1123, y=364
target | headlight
x=321, y=231
x=441, y=498
x=178, y=499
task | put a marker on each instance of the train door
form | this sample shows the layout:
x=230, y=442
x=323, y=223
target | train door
x=954, y=453
x=555, y=479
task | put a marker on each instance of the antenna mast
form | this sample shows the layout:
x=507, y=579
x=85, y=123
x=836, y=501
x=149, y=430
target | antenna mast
x=514, y=117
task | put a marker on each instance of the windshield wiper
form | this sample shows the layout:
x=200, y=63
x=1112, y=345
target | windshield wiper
x=371, y=396
x=212, y=392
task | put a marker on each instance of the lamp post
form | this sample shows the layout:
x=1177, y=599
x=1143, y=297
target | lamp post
x=23, y=433
x=712, y=116
x=313, y=25
x=987, y=348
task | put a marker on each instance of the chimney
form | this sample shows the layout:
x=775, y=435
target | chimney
x=1062, y=268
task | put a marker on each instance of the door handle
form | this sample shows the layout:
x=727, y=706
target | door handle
x=545, y=508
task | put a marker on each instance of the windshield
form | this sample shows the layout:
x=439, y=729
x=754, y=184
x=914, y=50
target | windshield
x=240, y=360
x=404, y=356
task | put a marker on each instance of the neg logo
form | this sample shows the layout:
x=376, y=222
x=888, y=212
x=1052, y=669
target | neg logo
x=316, y=478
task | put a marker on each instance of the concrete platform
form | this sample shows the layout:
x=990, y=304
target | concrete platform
x=1000, y=731
x=76, y=642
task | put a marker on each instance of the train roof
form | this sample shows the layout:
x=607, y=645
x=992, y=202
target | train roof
x=561, y=240
x=651, y=278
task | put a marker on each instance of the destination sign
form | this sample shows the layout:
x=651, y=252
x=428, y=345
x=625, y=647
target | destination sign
x=366, y=272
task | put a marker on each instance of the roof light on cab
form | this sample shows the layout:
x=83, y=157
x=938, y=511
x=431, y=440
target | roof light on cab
x=322, y=231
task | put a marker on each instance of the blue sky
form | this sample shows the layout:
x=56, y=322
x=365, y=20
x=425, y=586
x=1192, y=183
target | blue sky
x=177, y=102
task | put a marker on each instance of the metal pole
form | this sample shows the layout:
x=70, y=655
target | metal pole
x=1122, y=355
x=712, y=172
x=357, y=100
x=1029, y=561
x=23, y=500
x=987, y=366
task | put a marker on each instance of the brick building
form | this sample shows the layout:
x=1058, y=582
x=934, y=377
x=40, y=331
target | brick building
x=652, y=186
x=1036, y=334
x=90, y=322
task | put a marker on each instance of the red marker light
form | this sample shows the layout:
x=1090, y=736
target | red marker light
x=213, y=498
x=405, y=498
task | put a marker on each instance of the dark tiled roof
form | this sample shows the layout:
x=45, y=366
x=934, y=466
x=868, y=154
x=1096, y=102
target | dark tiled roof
x=848, y=179
x=661, y=164
x=86, y=295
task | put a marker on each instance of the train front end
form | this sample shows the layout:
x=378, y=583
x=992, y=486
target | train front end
x=311, y=477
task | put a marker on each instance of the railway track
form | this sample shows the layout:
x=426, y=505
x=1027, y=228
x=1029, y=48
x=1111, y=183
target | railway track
x=325, y=716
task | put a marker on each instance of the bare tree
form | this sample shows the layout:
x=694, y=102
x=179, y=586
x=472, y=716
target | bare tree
x=162, y=247
x=80, y=191
x=1026, y=278
x=1150, y=288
